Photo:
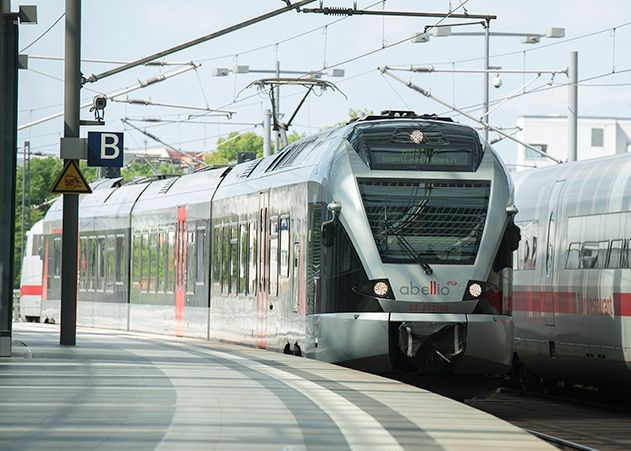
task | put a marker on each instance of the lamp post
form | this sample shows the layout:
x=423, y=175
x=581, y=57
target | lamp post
x=245, y=69
x=527, y=38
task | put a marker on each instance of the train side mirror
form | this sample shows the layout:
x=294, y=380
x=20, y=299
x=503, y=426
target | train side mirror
x=328, y=227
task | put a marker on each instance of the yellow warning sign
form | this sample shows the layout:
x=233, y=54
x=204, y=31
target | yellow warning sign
x=71, y=181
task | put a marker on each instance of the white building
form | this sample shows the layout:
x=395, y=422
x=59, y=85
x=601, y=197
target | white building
x=597, y=137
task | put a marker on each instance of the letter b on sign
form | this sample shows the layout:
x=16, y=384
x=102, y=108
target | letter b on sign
x=105, y=149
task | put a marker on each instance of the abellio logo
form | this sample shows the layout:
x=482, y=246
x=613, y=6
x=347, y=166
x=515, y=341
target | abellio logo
x=433, y=288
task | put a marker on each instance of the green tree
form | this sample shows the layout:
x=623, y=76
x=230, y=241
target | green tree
x=228, y=148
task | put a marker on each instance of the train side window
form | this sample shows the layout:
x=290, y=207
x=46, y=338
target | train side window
x=161, y=260
x=225, y=260
x=151, y=262
x=83, y=262
x=121, y=257
x=201, y=255
x=216, y=263
x=615, y=254
x=171, y=260
x=91, y=273
x=284, y=247
x=36, y=247
x=191, y=261
x=243, y=258
x=110, y=262
x=136, y=244
x=273, y=256
x=603, y=251
x=573, y=256
x=56, y=257
x=253, y=257
x=102, y=269
x=144, y=263
x=589, y=255
x=234, y=258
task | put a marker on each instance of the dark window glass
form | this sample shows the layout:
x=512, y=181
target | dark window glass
x=191, y=261
x=121, y=258
x=423, y=221
x=201, y=255
x=573, y=256
x=284, y=247
x=598, y=137
x=589, y=255
x=253, y=257
x=615, y=255
x=417, y=146
x=273, y=257
x=171, y=260
x=83, y=262
x=243, y=258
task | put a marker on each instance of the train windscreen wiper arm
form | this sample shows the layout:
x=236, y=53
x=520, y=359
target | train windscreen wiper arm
x=407, y=247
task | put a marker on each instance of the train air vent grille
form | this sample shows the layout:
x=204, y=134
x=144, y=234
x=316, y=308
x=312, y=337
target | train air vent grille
x=168, y=183
x=250, y=168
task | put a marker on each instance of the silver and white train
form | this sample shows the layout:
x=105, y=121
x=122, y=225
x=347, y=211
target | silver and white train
x=384, y=245
x=572, y=278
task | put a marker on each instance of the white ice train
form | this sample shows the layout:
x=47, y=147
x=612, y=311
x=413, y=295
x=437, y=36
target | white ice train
x=31, y=275
x=385, y=244
x=572, y=278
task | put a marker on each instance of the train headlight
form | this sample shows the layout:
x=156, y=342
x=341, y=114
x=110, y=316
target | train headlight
x=376, y=288
x=381, y=289
x=475, y=290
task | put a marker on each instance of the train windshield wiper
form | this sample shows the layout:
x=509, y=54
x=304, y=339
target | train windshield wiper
x=407, y=248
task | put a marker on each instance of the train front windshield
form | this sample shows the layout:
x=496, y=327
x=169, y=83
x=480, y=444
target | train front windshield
x=426, y=221
x=417, y=146
x=422, y=221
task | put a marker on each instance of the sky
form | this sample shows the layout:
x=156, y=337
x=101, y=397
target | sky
x=123, y=30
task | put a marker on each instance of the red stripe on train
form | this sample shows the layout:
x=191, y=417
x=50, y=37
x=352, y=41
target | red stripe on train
x=31, y=290
x=619, y=304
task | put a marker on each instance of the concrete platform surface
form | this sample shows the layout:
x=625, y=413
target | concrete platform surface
x=121, y=391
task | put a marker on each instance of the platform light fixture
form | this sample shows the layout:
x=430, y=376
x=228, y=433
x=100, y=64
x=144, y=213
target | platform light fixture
x=527, y=38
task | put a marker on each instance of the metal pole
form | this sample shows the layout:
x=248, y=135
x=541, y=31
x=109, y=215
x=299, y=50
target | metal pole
x=267, y=132
x=27, y=147
x=8, y=163
x=23, y=234
x=572, y=108
x=278, y=107
x=485, y=109
x=72, y=100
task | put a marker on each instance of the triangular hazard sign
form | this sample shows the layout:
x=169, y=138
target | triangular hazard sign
x=71, y=181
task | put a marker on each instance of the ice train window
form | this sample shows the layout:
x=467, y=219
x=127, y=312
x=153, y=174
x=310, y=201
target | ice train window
x=615, y=255
x=589, y=255
x=573, y=256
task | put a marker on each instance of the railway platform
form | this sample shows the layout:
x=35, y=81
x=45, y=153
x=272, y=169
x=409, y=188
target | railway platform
x=118, y=390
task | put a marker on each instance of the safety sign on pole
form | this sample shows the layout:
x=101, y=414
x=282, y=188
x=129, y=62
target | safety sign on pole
x=71, y=181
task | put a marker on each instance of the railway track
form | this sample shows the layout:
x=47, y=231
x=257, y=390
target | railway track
x=568, y=422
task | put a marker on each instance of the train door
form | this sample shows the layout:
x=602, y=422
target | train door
x=180, y=270
x=263, y=267
x=549, y=289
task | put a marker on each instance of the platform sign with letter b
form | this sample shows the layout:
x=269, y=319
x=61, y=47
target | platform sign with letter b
x=105, y=149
